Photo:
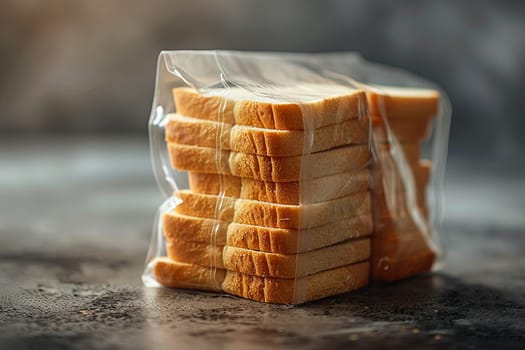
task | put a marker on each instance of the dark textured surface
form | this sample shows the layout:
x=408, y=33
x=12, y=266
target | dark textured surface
x=75, y=219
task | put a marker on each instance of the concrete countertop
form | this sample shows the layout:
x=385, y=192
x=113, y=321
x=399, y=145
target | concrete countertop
x=75, y=221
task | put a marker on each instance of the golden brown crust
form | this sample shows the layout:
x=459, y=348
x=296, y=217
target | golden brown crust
x=289, y=116
x=297, y=291
x=411, y=152
x=390, y=207
x=399, y=244
x=405, y=131
x=401, y=248
x=403, y=107
x=198, y=132
x=290, y=241
x=397, y=204
x=191, y=103
x=216, y=183
x=198, y=253
x=175, y=274
x=270, y=142
x=318, y=190
x=265, y=264
x=257, y=213
x=420, y=172
x=276, y=169
x=170, y=273
x=199, y=159
x=401, y=223
x=179, y=227
x=283, y=116
x=388, y=269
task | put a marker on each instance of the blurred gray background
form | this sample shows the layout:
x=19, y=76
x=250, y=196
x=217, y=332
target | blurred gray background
x=78, y=197
x=84, y=67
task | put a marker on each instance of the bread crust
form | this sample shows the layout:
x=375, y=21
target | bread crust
x=389, y=269
x=269, y=142
x=411, y=131
x=401, y=244
x=402, y=106
x=258, y=263
x=275, y=169
x=198, y=253
x=174, y=274
x=265, y=264
x=320, y=285
x=189, y=102
x=257, y=213
x=297, y=291
x=268, y=115
x=318, y=189
x=388, y=175
x=177, y=227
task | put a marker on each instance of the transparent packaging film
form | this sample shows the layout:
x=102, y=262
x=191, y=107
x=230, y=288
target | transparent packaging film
x=292, y=177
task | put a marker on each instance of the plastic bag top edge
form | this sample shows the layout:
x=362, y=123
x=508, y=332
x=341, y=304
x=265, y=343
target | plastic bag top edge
x=301, y=77
x=301, y=93
x=349, y=58
x=247, y=75
x=276, y=54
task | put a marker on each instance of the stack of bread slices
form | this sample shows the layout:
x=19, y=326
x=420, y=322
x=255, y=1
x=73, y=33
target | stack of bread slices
x=279, y=206
x=402, y=120
x=283, y=196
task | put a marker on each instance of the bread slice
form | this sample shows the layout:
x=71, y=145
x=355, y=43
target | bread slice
x=403, y=103
x=178, y=227
x=170, y=273
x=397, y=244
x=386, y=151
x=407, y=222
x=259, y=263
x=301, y=290
x=399, y=254
x=397, y=204
x=318, y=189
x=319, y=105
x=410, y=131
x=198, y=253
x=276, y=169
x=269, y=142
x=214, y=106
x=257, y=213
x=389, y=269
x=264, y=264
x=175, y=274
x=388, y=176
x=315, y=190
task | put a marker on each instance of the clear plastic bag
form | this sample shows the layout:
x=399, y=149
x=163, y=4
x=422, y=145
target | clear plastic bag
x=293, y=177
